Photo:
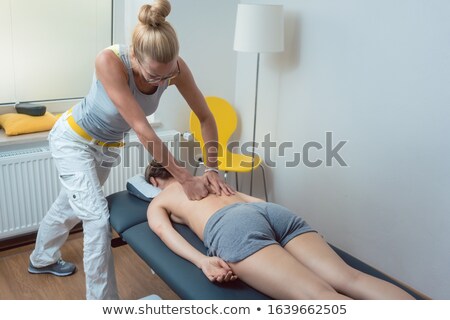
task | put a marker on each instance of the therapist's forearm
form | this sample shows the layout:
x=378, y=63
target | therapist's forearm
x=162, y=155
x=209, y=133
x=180, y=174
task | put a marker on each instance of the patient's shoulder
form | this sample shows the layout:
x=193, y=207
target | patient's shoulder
x=160, y=200
x=165, y=199
x=156, y=205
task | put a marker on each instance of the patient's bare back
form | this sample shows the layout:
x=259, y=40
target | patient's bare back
x=195, y=213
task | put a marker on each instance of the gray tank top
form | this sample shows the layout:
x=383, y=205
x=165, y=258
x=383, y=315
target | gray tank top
x=98, y=115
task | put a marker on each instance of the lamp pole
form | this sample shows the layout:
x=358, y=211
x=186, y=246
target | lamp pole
x=259, y=29
x=254, y=124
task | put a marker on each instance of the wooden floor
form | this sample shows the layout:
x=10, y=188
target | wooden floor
x=134, y=278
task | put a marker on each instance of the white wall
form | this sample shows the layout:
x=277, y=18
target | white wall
x=205, y=29
x=375, y=73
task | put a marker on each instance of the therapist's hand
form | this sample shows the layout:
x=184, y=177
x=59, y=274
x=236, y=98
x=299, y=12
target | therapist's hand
x=195, y=188
x=216, y=184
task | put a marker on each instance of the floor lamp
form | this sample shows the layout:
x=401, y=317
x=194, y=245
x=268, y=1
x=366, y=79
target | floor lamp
x=260, y=29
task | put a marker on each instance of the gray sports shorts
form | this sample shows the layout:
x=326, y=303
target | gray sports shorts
x=239, y=230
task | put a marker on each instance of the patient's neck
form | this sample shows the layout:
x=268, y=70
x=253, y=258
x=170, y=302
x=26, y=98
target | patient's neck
x=164, y=183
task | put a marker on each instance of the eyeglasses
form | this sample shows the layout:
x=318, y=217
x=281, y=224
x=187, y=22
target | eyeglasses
x=154, y=79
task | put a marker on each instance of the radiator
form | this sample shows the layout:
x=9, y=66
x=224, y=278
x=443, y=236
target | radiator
x=29, y=182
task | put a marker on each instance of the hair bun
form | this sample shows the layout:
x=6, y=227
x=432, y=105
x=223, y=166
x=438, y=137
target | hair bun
x=154, y=14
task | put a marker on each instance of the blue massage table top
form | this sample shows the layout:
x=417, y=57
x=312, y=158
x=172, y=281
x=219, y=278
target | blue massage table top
x=128, y=217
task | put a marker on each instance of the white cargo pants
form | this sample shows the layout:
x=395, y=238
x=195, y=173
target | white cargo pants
x=82, y=169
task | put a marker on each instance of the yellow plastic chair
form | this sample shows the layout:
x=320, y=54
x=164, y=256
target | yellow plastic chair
x=226, y=121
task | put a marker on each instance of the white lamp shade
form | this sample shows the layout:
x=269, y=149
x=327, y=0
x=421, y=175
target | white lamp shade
x=259, y=28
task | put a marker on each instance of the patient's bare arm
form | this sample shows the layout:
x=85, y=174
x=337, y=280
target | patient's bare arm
x=214, y=268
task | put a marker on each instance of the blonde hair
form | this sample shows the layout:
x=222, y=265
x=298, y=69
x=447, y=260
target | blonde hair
x=154, y=37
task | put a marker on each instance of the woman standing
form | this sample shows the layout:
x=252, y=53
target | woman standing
x=127, y=86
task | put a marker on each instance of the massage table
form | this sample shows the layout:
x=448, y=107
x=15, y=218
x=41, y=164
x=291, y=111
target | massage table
x=128, y=217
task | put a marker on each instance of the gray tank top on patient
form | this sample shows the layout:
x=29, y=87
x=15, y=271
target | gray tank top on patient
x=97, y=114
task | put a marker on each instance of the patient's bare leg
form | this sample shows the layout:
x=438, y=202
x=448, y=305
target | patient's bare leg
x=312, y=251
x=273, y=271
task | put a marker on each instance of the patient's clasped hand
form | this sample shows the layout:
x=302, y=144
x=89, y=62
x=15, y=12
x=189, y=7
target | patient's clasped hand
x=267, y=246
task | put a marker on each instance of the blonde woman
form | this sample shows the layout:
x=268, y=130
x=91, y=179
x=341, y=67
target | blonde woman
x=128, y=83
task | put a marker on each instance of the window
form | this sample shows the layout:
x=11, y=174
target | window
x=48, y=47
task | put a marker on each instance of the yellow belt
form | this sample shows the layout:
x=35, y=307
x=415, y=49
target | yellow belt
x=80, y=131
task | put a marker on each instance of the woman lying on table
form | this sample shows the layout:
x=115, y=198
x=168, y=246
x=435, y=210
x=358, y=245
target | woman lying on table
x=264, y=244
